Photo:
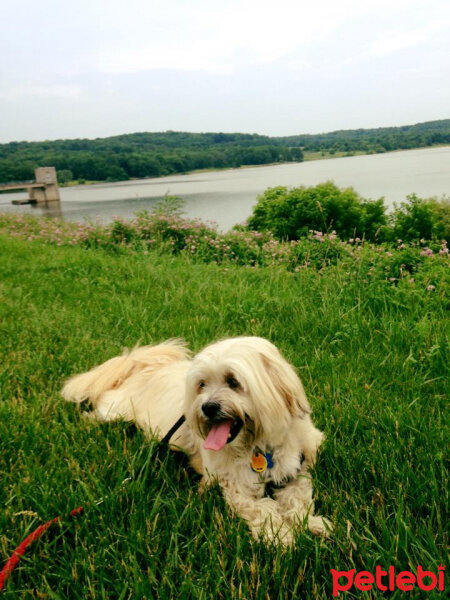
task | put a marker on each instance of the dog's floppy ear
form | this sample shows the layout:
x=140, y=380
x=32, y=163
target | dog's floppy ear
x=286, y=381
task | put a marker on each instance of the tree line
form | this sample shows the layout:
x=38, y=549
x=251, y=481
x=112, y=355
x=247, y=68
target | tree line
x=370, y=141
x=141, y=155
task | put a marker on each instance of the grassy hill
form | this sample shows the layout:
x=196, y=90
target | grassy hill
x=371, y=354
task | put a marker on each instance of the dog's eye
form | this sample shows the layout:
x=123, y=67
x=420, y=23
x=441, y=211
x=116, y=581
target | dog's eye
x=232, y=382
x=201, y=385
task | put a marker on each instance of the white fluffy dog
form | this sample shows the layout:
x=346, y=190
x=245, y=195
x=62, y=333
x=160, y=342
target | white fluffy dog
x=247, y=426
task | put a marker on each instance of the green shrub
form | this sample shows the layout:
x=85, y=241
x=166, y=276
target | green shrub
x=64, y=176
x=291, y=213
x=122, y=232
x=318, y=250
x=421, y=218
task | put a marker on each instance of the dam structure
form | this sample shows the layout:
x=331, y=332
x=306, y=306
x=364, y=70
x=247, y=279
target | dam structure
x=44, y=189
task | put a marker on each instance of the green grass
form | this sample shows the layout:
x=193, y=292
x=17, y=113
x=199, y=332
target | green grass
x=326, y=154
x=373, y=360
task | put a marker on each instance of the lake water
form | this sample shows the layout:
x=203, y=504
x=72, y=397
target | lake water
x=226, y=197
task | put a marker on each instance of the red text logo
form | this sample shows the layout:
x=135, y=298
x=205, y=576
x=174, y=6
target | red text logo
x=388, y=580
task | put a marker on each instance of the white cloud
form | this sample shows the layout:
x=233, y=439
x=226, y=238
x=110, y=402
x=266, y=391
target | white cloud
x=42, y=91
x=222, y=36
x=402, y=40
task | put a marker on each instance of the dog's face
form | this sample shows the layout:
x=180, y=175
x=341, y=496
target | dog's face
x=241, y=390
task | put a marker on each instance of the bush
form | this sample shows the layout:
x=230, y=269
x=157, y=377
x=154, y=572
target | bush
x=64, y=176
x=420, y=218
x=318, y=250
x=291, y=213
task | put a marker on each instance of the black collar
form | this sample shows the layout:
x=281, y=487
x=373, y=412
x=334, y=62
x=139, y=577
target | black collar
x=173, y=429
x=271, y=487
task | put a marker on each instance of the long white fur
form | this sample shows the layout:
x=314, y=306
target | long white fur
x=154, y=385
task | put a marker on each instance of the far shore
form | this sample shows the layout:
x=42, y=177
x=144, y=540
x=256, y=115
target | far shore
x=308, y=156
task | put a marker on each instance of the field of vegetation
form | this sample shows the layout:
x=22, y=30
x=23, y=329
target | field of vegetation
x=363, y=323
x=140, y=155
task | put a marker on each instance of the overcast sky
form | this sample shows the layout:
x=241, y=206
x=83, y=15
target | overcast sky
x=92, y=68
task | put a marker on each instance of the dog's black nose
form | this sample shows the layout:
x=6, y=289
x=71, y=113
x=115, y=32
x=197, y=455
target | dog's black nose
x=211, y=409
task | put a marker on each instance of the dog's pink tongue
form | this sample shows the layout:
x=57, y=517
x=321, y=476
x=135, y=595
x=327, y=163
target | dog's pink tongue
x=218, y=436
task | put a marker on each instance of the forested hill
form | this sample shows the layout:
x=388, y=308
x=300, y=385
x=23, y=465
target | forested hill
x=383, y=139
x=140, y=155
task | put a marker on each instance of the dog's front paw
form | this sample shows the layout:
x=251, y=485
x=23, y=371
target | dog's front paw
x=320, y=526
x=283, y=535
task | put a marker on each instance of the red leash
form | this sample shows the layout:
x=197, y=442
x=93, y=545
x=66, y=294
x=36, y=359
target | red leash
x=20, y=550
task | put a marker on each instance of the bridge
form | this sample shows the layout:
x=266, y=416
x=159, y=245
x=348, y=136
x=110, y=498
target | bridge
x=43, y=189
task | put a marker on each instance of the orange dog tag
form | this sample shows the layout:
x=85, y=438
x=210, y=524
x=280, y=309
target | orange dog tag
x=259, y=462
